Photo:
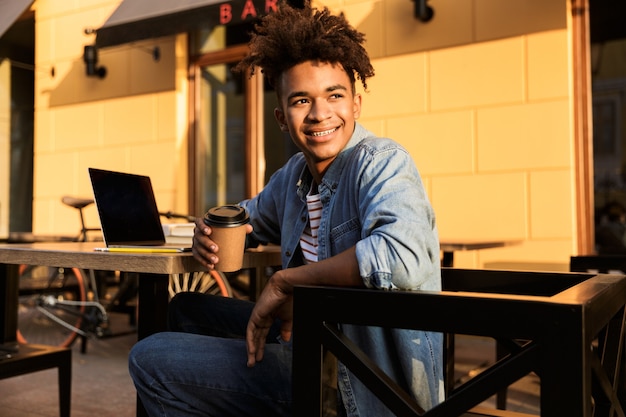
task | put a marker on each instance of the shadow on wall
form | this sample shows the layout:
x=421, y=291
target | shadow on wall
x=391, y=27
x=131, y=69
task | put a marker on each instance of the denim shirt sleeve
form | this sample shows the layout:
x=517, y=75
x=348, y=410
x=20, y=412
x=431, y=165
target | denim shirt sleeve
x=399, y=248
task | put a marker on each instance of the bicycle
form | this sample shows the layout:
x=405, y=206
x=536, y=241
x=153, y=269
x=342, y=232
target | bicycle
x=59, y=304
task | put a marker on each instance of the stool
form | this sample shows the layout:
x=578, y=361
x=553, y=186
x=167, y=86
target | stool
x=32, y=358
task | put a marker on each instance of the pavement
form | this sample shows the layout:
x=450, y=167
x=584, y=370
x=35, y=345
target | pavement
x=101, y=385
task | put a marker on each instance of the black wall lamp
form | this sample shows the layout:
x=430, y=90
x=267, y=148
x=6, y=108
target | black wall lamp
x=423, y=11
x=154, y=51
x=90, y=56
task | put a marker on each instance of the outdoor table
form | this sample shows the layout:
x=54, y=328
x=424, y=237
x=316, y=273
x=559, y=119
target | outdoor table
x=449, y=246
x=153, y=269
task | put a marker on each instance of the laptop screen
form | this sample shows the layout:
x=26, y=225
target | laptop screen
x=127, y=208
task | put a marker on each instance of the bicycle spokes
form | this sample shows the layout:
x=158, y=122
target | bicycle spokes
x=47, y=311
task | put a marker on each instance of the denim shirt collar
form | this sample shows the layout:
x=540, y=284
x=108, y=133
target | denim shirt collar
x=333, y=174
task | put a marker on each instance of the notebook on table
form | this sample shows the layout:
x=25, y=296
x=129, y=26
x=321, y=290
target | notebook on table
x=128, y=213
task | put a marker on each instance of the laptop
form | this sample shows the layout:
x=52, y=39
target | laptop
x=128, y=213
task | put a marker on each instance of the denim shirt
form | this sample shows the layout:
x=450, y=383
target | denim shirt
x=372, y=197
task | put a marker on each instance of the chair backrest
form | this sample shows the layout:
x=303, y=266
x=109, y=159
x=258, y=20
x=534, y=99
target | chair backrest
x=603, y=264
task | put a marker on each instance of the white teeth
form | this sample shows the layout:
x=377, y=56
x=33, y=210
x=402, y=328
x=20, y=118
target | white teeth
x=326, y=132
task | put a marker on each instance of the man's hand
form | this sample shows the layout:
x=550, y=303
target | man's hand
x=275, y=302
x=204, y=249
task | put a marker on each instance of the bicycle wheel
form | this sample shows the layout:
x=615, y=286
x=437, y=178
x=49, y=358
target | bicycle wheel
x=43, y=317
x=212, y=282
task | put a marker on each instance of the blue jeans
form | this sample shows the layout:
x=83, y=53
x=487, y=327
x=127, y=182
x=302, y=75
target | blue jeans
x=199, y=367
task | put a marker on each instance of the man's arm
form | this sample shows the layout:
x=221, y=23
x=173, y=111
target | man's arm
x=276, y=300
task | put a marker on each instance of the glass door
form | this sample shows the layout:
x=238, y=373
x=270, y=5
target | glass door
x=222, y=137
x=608, y=81
x=236, y=143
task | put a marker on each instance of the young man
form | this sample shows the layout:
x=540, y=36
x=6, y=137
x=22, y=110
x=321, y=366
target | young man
x=348, y=210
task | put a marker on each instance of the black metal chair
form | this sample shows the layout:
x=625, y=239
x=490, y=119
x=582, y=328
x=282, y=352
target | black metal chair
x=17, y=359
x=603, y=264
x=556, y=316
x=33, y=358
x=614, y=362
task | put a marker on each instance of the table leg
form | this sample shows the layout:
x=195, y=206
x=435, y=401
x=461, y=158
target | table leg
x=254, y=285
x=152, y=303
x=9, y=286
x=448, y=259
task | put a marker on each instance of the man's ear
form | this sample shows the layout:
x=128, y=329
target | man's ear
x=357, y=106
x=280, y=118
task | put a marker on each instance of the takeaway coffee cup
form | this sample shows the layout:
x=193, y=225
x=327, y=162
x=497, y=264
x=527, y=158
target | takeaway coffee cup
x=228, y=231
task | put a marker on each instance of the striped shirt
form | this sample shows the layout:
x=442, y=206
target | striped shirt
x=308, y=240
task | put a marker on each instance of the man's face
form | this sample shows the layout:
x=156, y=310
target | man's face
x=318, y=108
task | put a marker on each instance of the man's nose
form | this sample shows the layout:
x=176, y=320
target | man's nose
x=320, y=110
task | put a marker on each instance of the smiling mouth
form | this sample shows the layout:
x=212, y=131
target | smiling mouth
x=324, y=133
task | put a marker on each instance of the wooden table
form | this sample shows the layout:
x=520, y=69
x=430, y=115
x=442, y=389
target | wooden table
x=449, y=246
x=153, y=269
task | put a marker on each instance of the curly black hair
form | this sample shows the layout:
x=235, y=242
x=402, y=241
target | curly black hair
x=291, y=36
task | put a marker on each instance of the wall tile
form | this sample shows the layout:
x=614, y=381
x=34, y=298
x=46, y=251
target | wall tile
x=149, y=159
x=481, y=206
x=76, y=127
x=54, y=174
x=130, y=120
x=169, y=118
x=550, y=200
x=501, y=19
x=460, y=77
x=398, y=88
x=43, y=138
x=534, y=135
x=441, y=143
x=44, y=33
x=51, y=216
x=548, y=74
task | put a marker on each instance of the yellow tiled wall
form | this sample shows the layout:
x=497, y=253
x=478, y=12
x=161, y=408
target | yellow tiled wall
x=133, y=120
x=481, y=97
